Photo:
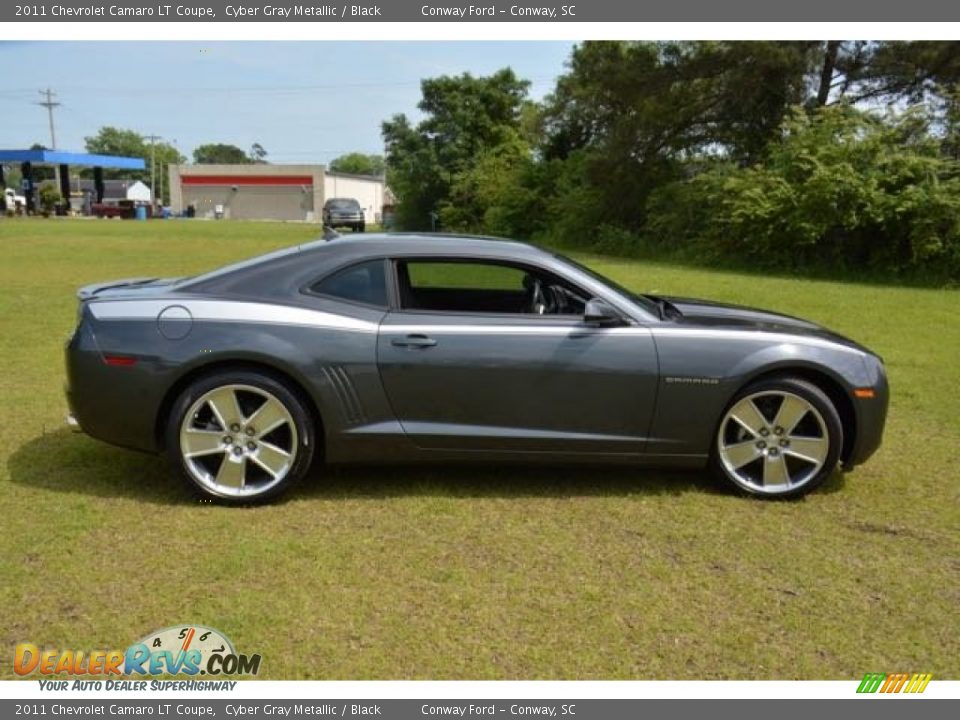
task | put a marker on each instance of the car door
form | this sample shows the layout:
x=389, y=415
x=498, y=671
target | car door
x=470, y=368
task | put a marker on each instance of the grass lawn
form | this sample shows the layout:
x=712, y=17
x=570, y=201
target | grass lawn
x=490, y=573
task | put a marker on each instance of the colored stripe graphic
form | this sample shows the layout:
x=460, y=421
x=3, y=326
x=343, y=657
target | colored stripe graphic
x=871, y=682
x=894, y=683
x=918, y=683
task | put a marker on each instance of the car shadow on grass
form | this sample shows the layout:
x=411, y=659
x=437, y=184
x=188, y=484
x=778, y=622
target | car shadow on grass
x=63, y=461
x=68, y=462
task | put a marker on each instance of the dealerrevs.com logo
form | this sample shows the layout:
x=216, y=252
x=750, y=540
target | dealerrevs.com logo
x=179, y=650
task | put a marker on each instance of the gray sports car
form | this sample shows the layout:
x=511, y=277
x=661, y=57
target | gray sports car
x=393, y=348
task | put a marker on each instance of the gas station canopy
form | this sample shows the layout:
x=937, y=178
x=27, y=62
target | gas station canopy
x=58, y=157
x=63, y=160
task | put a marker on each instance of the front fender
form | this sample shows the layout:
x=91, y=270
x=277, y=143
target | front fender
x=700, y=374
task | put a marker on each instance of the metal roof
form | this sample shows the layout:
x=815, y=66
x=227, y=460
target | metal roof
x=59, y=157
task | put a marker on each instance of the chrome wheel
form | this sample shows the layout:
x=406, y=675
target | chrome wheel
x=773, y=442
x=238, y=441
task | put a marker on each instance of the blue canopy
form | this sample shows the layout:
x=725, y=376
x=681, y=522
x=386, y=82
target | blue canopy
x=58, y=157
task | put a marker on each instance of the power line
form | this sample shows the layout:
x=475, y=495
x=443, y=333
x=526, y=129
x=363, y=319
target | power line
x=152, y=90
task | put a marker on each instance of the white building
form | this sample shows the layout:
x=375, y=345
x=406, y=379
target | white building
x=365, y=189
x=271, y=191
x=117, y=189
x=138, y=191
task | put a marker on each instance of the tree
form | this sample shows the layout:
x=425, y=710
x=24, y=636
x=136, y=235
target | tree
x=631, y=116
x=49, y=197
x=357, y=163
x=220, y=154
x=464, y=117
x=258, y=154
x=906, y=71
x=840, y=187
x=129, y=143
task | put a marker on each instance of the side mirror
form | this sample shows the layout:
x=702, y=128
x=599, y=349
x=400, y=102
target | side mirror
x=599, y=312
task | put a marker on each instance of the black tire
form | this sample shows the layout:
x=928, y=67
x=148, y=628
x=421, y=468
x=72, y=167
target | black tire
x=300, y=443
x=830, y=429
x=361, y=228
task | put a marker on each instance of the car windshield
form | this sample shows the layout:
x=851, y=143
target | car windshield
x=633, y=297
x=338, y=204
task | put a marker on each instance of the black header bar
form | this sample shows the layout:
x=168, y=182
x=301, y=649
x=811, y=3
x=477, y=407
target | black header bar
x=494, y=11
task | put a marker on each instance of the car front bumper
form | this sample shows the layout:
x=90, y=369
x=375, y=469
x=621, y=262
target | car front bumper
x=871, y=418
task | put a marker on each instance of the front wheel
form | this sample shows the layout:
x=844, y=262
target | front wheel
x=240, y=437
x=778, y=438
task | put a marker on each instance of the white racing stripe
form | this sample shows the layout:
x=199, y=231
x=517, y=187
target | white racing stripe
x=229, y=311
x=758, y=336
x=761, y=336
x=558, y=330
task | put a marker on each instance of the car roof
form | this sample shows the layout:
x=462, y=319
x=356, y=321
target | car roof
x=284, y=267
x=374, y=244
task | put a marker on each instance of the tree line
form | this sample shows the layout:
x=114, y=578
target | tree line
x=772, y=154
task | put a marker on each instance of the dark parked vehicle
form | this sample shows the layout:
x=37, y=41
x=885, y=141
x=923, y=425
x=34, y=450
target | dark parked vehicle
x=344, y=212
x=419, y=348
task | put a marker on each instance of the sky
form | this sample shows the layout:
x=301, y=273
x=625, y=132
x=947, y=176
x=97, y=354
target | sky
x=303, y=102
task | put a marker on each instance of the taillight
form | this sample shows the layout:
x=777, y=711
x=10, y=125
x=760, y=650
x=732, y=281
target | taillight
x=119, y=360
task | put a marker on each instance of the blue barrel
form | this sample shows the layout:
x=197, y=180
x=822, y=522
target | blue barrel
x=141, y=213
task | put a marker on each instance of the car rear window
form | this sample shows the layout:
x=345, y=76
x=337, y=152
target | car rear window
x=364, y=282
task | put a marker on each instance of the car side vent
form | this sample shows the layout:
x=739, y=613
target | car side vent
x=346, y=394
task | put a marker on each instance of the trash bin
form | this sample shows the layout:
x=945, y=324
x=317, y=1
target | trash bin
x=141, y=213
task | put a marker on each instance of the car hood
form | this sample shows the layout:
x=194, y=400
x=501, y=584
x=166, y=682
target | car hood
x=714, y=315
x=130, y=287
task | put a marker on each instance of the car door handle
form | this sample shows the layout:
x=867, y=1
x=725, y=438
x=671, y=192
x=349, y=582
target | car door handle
x=414, y=341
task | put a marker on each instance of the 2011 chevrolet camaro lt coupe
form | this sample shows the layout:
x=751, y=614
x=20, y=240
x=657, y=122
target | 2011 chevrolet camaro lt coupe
x=391, y=348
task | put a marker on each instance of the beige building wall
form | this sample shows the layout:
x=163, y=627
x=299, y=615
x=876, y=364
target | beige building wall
x=245, y=191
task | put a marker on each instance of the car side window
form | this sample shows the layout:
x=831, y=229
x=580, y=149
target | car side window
x=484, y=287
x=364, y=282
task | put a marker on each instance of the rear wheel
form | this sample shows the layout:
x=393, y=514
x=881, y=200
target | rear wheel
x=778, y=438
x=240, y=437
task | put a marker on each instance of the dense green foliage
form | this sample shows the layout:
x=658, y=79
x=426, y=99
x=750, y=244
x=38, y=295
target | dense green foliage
x=129, y=143
x=466, y=119
x=840, y=187
x=220, y=154
x=770, y=154
x=49, y=197
x=357, y=163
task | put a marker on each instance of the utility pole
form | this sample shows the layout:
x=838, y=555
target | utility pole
x=166, y=171
x=49, y=103
x=153, y=165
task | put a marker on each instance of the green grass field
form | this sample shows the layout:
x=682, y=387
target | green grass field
x=492, y=573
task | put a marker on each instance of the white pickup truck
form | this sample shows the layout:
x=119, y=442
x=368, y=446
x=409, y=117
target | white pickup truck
x=14, y=201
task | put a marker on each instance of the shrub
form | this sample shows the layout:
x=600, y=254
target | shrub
x=49, y=197
x=840, y=187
